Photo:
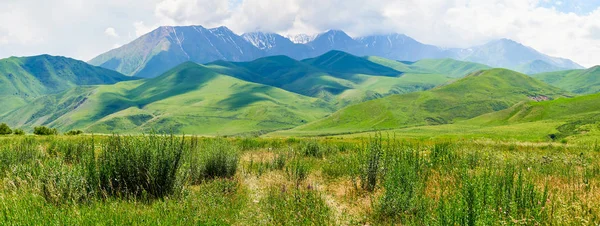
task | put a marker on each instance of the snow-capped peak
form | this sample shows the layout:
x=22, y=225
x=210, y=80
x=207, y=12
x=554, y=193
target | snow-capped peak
x=301, y=38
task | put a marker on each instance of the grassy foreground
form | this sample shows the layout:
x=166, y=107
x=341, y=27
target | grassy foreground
x=331, y=181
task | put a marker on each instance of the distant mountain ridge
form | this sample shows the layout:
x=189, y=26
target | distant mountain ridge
x=166, y=47
x=22, y=79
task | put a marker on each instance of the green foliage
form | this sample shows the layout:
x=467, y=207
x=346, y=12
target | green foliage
x=404, y=185
x=213, y=159
x=147, y=180
x=142, y=167
x=311, y=148
x=5, y=130
x=371, y=163
x=64, y=184
x=296, y=207
x=18, y=132
x=297, y=171
x=44, y=131
x=74, y=133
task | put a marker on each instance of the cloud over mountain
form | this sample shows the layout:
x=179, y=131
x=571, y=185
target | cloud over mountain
x=47, y=27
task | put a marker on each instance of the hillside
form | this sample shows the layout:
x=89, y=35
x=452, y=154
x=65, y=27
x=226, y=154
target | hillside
x=450, y=67
x=576, y=81
x=538, y=66
x=577, y=115
x=479, y=93
x=23, y=79
x=188, y=99
x=336, y=77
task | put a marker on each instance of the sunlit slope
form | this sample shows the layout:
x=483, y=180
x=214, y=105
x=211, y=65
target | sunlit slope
x=188, y=99
x=477, y=94
x=576, y=81
x=342, y=79
x=23, y=79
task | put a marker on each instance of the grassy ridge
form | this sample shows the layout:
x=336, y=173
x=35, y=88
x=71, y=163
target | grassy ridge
x=342, y=79
x=477, y=94
x=576, y=81
x=450, y=67
x=23, y=79
x=188, y=99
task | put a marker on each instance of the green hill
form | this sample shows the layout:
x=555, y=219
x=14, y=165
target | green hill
x=450, y=67
x=332, y=81
x=477, y=94
x=344, y=63
x=342, y=79
x=188, y=99
x=568, y=116
x=538, y=66
x=23, y=79
x=576, y=81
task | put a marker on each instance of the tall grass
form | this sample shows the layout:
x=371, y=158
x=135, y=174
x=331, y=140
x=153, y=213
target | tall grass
x=177, y=180
x=404, y=184
x=296, y=207
x=138, y=166
x=211, y=159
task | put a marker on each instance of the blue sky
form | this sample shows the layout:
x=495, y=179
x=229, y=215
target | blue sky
x=580, y=7
x=83, y=29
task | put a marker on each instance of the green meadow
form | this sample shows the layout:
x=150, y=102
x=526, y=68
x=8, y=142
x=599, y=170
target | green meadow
x=378, y=180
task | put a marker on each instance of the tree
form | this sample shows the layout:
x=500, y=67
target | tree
x=19, y=132
x=44, y=131
x=4, y=129
x=74, y=133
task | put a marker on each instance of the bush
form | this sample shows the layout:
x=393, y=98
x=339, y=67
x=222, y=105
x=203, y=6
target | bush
x=371, y=164
x=216, y=159
x=296, y=207
x=297, y=171
x=311, y=149
x=44, y=131
x=141, y=167
x=74, y=133
x=62, y=184
x=18, y=132
x=404, y=185
x=4, y=129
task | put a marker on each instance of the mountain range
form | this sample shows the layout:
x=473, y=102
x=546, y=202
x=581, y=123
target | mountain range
x=166, y=47
x=194, y=80
x=266, y=94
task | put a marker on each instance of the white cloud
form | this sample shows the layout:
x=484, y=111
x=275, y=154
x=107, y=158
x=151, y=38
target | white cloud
x=110, y=31
x=205, y=12
x=141, y=28
x=65, y=27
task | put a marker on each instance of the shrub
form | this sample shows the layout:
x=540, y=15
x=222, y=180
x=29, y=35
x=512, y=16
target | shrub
x=370, y=163
x=4, y=129
x=63, y=184
x=216, y=159
x=311, y=149
x=296, y=207
x=404, y=185
x=18, y=132
x=141, y=167
x=74, y=133
x=44, y=131
x=297, y=171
